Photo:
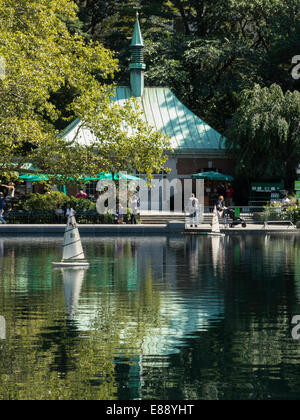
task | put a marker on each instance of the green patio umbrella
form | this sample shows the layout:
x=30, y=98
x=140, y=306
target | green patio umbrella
x=34, y=177
x=102, y=176
x=212, y=176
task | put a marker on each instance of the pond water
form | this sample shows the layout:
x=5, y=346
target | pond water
x=169, y=318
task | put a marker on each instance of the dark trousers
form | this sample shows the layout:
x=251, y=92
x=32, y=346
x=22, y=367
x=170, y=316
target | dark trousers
x=133, y=219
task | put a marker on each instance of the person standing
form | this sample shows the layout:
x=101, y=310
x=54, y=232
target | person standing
x=221, y=190
x=81, y=194
x=120, y=214
x=133, y=205
x=67, y=210
x=2, y=206
x=59, y=214
x=220, y=205
x=229, y=194
x=193, y=209
x=10, y=190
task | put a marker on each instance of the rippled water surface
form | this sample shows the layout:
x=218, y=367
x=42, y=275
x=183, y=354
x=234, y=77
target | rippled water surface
x=152, y=318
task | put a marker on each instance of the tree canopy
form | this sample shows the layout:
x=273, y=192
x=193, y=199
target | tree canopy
x=207, y=51
x=63, y=58
x=265, y=134
x=54, y=74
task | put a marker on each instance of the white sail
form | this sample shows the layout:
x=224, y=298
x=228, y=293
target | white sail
x=72, y=280
x=72, y=248
x=215, y=228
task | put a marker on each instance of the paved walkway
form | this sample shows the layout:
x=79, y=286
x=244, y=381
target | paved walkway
x=170, y=228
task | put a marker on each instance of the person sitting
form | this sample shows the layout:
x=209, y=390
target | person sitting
x=285, y=202
x=221, y=208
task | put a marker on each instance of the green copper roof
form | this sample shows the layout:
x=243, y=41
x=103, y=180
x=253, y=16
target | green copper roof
x=166, y=113
x=162, y=110
x=137, y=39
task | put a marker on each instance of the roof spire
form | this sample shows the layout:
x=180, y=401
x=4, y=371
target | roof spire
x=137, y=65
x=137, y=39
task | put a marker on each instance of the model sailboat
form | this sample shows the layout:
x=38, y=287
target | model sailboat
x=73, y=255
x=215, y=227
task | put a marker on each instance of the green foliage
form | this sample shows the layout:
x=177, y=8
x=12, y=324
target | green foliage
x=52, y=73
x=45, y=201
x=294, y=213
x=53, y=199
x=108, y=218
x=207, y=51
x=265, y=136
x=275, y=211
x=81, y=204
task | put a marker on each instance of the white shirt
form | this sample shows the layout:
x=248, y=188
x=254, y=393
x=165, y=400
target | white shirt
x=195, y=201
x=133, y=205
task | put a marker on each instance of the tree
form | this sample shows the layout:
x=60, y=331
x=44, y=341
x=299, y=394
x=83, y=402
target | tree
x=46, y=61
x=265, y=135
x=206, y=51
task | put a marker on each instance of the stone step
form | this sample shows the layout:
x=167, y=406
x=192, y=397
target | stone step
x=164, y=219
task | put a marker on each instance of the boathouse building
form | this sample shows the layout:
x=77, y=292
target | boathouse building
x=197, y=147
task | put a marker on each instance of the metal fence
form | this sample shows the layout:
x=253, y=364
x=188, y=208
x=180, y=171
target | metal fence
x=49, y=217
x=278, y=215
x=249, y=214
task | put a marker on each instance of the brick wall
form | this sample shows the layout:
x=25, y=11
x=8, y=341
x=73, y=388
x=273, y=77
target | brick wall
x=188, y=166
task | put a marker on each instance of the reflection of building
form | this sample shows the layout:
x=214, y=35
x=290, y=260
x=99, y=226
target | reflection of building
x=162, y=302
x=197, y=146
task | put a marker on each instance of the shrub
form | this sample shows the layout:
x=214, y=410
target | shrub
x=108, y=218
x=45, y=201
x=294, y=212
x=290, y=213
x=81, y=204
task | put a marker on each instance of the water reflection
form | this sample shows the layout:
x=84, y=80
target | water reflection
x=72, y=281
x=153, y=317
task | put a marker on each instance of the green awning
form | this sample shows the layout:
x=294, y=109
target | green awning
x=34, y=177
x=213, y=176
x=100, y=176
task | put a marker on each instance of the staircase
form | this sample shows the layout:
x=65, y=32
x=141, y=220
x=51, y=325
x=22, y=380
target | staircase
x=162, y=219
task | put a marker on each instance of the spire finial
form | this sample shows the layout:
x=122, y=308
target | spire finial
x=137, y=8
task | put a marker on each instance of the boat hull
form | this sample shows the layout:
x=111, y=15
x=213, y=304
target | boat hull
x=71, y=264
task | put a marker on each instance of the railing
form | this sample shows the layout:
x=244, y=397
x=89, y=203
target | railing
x=249, y=214
x=277, y=215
